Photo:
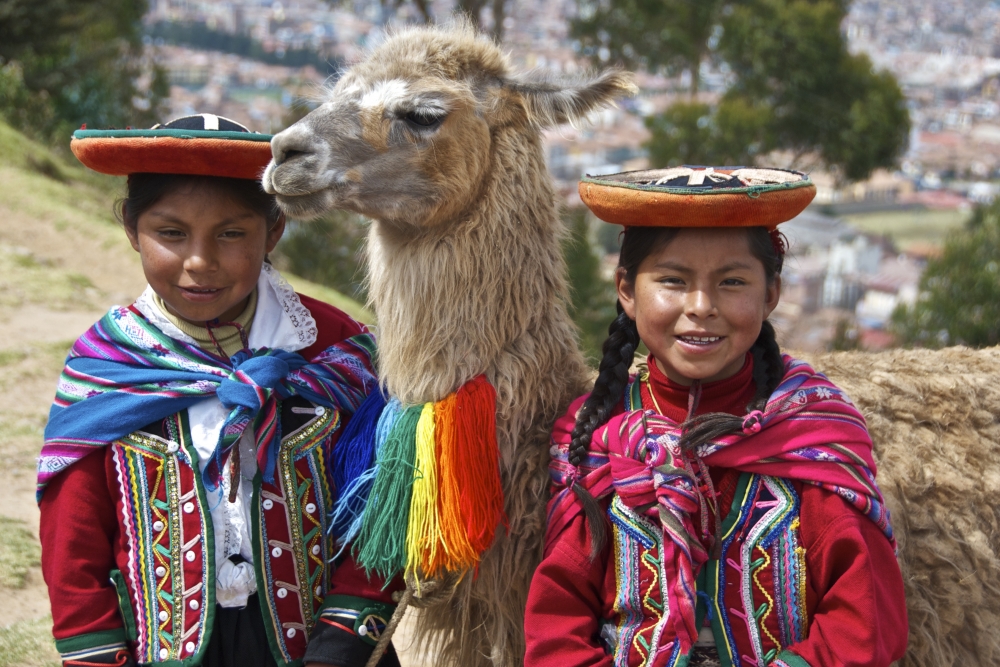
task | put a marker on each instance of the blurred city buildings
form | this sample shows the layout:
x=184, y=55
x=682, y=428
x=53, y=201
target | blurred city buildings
x=855, y=255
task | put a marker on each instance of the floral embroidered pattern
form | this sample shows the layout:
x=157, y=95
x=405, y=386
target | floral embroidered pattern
x=165, y=520
x=764, y=535
x=291, y=540
x=640, y=599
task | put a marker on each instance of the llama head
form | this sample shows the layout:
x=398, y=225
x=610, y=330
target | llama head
x=407, y=135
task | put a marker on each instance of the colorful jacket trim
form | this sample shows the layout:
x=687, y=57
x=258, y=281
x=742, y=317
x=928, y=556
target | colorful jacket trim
x=167, y=590
x=753, y=595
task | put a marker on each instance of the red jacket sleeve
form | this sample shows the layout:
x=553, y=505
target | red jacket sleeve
x=859, y=618
x=567, y=599
x=78, y=528
x=332, y=325
x=569, y=592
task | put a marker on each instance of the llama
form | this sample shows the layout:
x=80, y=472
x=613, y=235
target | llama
x=437, y=140
x=935, y=420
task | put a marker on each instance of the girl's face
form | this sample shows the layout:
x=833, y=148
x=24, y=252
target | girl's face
x=699, y=302
x=202, y=251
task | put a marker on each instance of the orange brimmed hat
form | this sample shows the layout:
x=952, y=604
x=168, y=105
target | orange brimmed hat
x=201, y=145
x=698, y=197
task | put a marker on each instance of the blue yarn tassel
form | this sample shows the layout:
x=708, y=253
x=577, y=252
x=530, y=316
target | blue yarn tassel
x=355, y=450
x=355, y=473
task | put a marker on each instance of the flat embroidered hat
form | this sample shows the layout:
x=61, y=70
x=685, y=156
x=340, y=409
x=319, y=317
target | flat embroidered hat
x=200, y=145
x=698, y=197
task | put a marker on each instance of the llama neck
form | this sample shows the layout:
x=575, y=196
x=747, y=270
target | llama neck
x=451, y=300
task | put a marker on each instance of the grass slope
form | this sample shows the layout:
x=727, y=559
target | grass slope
x=917, y=228
x=28, y=644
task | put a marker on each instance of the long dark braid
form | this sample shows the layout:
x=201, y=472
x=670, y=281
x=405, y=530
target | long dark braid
x=612, y=379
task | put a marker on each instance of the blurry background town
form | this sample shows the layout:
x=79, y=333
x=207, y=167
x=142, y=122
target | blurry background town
x=856, y=253
x=892, y=106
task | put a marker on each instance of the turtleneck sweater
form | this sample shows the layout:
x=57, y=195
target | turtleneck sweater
x=729, y=395
x=227, y=336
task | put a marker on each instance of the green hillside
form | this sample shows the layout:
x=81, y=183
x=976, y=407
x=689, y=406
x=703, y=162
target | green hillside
x=63, y=261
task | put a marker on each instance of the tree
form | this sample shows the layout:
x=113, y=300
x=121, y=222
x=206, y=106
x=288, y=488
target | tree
x=694, y=133
x=789, y=56
x=959, y=301
x=326, y=251
x=69, y=62
x=671, y=34
x=795, y=87
x=592, y=304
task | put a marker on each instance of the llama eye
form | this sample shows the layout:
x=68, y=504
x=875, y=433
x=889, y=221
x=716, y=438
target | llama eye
x=422, y=119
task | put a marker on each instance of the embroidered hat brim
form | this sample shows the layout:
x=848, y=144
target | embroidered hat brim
x=698, y=197
x=175, y=149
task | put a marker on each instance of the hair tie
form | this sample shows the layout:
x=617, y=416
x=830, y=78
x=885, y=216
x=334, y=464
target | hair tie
x=752, y=422
x=779, y=242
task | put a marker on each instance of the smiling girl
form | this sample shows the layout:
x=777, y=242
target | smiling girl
x=187, y=473
x=720, y=506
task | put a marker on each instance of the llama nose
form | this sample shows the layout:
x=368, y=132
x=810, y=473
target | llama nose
x=288, y=146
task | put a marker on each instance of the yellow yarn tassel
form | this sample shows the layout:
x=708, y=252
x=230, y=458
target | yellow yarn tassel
x=423, y=534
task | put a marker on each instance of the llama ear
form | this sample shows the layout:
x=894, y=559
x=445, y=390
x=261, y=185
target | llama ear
x=548, y=102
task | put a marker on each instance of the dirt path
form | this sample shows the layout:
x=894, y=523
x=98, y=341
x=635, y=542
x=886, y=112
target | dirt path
x=33, y=342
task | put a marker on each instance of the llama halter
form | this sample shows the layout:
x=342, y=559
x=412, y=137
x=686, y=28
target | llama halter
x=421, y=491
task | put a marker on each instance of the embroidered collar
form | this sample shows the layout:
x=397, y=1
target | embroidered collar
x=281, y=321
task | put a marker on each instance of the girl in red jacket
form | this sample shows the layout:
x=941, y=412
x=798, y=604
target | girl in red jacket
x=719, y=507
x=190, y=461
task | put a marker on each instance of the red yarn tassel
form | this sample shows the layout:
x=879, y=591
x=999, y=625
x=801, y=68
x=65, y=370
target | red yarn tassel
x=478, y=459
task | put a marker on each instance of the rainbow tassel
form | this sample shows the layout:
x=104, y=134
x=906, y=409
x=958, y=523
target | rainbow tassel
x=435, y=497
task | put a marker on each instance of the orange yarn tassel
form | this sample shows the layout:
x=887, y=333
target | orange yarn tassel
x=478, y=462
x=456, y=553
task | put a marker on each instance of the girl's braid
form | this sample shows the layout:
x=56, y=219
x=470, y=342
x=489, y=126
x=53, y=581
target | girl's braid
x=612, y=378
x=768, y=366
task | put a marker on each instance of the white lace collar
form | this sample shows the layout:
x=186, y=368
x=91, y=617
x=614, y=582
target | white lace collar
x=281, y=321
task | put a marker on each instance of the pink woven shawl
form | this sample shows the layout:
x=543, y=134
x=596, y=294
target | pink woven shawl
x=809, y=432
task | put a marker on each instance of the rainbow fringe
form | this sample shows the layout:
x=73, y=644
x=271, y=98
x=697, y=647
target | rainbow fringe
x=419, y=486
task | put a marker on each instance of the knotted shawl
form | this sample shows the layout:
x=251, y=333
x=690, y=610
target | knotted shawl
x=124, y=373
x=809, y=432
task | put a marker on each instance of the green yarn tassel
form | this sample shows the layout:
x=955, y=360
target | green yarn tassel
x=382, y=541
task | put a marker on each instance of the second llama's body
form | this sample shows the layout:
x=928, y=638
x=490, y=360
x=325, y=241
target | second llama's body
x=436, y=139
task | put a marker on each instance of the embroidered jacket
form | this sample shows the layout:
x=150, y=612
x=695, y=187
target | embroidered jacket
x=803, y=578
x=128, y=544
